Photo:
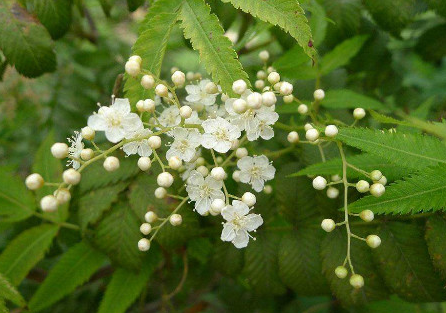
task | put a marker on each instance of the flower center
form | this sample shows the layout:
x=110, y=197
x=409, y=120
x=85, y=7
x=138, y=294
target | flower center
x=183, y=145
x=256, y=172
x=205, y=191
x=221, y=134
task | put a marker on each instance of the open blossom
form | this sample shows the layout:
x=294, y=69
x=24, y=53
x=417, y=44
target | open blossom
x=203, y=191
x=197, y=93
x=239, y=223
x=170, y=116
x=185, y=143
x=140, y=147
x=255, y=171
x=75, y=149
x=116, y=120
x=219, y=134
x=265, y=117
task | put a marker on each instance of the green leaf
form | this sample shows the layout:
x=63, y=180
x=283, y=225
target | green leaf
x=54, y=15
x=347, y=99
x=227, y=259
x=7, y=291
x=134, y=4
x=154, y=33
x=318, y=22
x=287, y=14
x=300, y=265
x=418, y=193
x=3, y=308
x=16, y=202
x=24, y=251
x=366, y=161
x=387, y=119
x=438, y=5
x=118, y=234
x=413, y=151
x=342, y=54
x=333, y=252
x=73, y=269
x=346, y=15
x=292, y=61
x=405, y=265
x=199, y=249
x=93, y=204
x=206, y=34
x=436, y=242
x=261, y=264
x=25, y=43
x=125, y=286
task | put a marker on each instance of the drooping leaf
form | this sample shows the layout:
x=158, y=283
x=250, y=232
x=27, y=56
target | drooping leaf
x=342, y=54
x=125, y=286
x=413, y=151
x=24, y=251
x=206, y=34
x=347, y=99
x=54, y=15
x=287, y=14
x=436, y=242
x=154, y=33
x=9, y=292
x=16, y=202
x=405, y=265
x=420, y=192
x=72, y=270
x=25, y=42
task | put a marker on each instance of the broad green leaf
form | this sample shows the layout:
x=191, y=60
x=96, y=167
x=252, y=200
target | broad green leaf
x=73, y=269
x=16, y=202
x=24, y=251
x=125, y=286
x=413, y=151
x=54, y=15
x=436, y=242
x=93, y=204
x=25, y=43
x=300, y=265
x=206, y=34
x=292, y=61
x=7, y=291
x=118, y=234
x=333, y=252
x=154, y=33
x=347, y=99
x=342, y=54
x=387, y=119
x=227, y=259
x=261, y=264
x=418, y=193
x=366, y=161
x=287, y=14
x=405, y=265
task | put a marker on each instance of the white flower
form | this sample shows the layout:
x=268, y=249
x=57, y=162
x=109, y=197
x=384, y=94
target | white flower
x=198, y=94
x=170, y=116
x=219, y=134
x=117, y=120
x=255, y=171
x=75, y=149
x=142, y=146
x=185, y=143
x=265, y=117
x=203, y=191
x=187, y=170
x=239, y=223
x=193, y=119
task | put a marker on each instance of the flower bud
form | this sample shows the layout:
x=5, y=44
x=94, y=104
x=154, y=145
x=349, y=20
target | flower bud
x=236, y=176
x=71, y=176
x=286, y=89
x=319, y=94
x=185, y=111
x=211, y=88
x=376, y=175
x=154, y=142
x=331, y=131
x=302, y=109
x=249, y=199
x=261, y=75
x=293, y=137
x=273, y=78
x=190, y=76
x=161, y=90
x=357, y=281
x=341, y=272
x=254, y=100
x=328, y=225
x=216, y=206
x=145, y=228
x=175, y=219
x=165, y=179
x=49, y=203
x=377, y=190
x=178, y=78
x=175, y=162
x=160, y=193
x=358, y=113
x=367, y=215
x=288, y=99
x=147, y=82
x=319, y=183
x=373, y=241
x=264, y=55
x=239, y=106
x=59, y=150
x=200, y=161
x=144, y=163
x=308, y=126
x=259, y=84
x=312, y=134
x=144, y=244
x=111, y=164
x=362, y=186
x=218, y=173
x=88, y=133
x=62, y=195
x=239, y=86
x=203, y=170
x=332, y=192
x=87, y=154
x=34, y=181
x=268, y=189
x=241, y=152
x=151, y=217
x=132, y=68
x=269, y=98
x=136, y=58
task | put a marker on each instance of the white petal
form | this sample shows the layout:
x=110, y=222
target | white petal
x=193, y=98
x=269, y=172
x=228, y=213
x=267, y=133
x=253, y=221
x=245, y=177
x=245, y=163
x=261, y=161
x=257, y=184
x=130, y=148
x=121, y=105
x=241, y=239
x=208, y=141
x=114, y=134
x=210, y=126
x=132, y=122
x=228, y=232
x=193, y=89
x=202, y=206
x=240, y=207
x=195, y=178
x=144, y=149
x=97, y=122
x=222, y=146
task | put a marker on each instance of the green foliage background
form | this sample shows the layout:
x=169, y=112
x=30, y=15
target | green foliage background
x=388, y=57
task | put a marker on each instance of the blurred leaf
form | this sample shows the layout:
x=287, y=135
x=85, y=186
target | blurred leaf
x=438, y=5
x=7, y=291
x=291, y=61
x=73, y=269
x=25, y=250
x=347, y=99
x=346, y=15
x=106, y=6
x=134, y=4
x=206, y=34
x=227, y=259
x=25, y=43
x=199, y=249
x=430, y=44
x=318, y=22
x=405, y=265
x=3, y=308
x=436, y=242
x=54, y=15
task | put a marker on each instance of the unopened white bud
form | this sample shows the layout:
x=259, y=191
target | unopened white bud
x=261, y=75
x=319, y=94
x=173, y=69
x=357, y=281
x=151, y=217
x=144, y=163
x=239, y=86
x=216, y=206
x=136, y=58
x=383, y=180
x=376, y=175
x=154, y=142
x=88, y=133
x=288, y=99
x=312, y=134
x=175, y=219
x=178, y=78
x=249, y=199
x=144, y=244
x=341, y=272
x=277, y=86
x=161, y=90
x=293, y=137
x=111, y=164
x=224, y=97
x=218, y=173
x=147, y=82
x=335, y=177
x=145, y=228
x=332, y=192
x=302, y=109
x=62, y=195
x=286, y=89
x=319, y=183
x=270, y=69
x=268, y=189
x=87, y=154
x=147, y=106
x=203, y=170
x=362, y=186
x=190, y=76
x=71, y=176
x=140, y=106
x=373, y=241
x=211, y=88
x=264, y=55
x=239, y=106
x=254, y=100
x=200, y=161
x=175, y=162
x=185, y=111
x=132, y=68
x=328, y=225
x=377, y=189
x=308, y=126
x=259, y=84
x=236, y=176
x=273, y=78
x=234, y=144
x=197, y=76
x=164, y=179
x=59, y=150
x=331, y=131
x=367, y=215
x=358, y=113
x=241, y=152
x=49, y=203
x=160, y=193
x=269, y=98
x=34, y=181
